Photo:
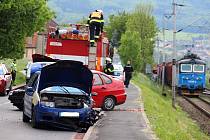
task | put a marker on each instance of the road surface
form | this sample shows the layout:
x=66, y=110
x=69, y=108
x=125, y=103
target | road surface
x=12, y=127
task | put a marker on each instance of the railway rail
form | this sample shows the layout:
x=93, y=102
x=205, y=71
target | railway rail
x=200, y=103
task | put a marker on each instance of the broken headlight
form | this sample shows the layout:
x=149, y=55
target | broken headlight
x=45, y=101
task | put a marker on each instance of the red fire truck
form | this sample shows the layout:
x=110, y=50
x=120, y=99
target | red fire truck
x=72, y=43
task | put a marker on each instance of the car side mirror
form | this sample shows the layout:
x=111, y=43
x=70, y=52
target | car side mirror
x=94, y=93
x=29, y=89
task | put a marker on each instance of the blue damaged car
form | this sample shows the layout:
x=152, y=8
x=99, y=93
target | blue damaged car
x=60, y=95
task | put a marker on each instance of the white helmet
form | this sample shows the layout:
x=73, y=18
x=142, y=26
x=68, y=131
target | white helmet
x=108, y=59
x=101, y=11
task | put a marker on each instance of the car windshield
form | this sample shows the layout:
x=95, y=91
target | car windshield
x=186, y=67
x=63, y=90
x=1, y=71
x=198, y=68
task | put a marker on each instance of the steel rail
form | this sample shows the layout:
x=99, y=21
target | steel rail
x=197, y=106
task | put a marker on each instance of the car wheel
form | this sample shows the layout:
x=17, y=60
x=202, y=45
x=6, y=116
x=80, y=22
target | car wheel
x=34, y=123
x=5, y=92
x=25, y=118
x=10, y=88
x=109, y=103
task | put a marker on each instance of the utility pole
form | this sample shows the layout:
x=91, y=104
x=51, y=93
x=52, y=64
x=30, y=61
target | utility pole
x=174, y=58
x=158, y=48
x=174, y=55
x=164, y=55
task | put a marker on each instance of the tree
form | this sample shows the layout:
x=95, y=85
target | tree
x=130, y=49
x=117, y=26
x=20, y=19
x=142, y=23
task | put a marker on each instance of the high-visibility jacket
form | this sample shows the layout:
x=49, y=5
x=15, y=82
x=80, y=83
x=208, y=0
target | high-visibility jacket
x=14, y=66
x=109, y=69
x=96, y=17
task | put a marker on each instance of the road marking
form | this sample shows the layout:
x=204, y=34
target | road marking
x=79, y=136
x=4, y=103
x=129, y=109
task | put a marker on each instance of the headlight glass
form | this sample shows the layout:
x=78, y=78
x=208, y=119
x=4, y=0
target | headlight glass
x=48, y=104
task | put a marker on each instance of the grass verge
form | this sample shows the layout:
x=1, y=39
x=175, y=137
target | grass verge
x=166, y=122
x=207, y=80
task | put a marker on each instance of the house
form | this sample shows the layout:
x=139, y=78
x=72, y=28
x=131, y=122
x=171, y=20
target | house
x=37, y=43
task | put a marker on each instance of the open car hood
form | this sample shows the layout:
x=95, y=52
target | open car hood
x=42, y=58
x=66, y=73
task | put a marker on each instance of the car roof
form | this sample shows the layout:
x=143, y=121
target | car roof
x=99, y=72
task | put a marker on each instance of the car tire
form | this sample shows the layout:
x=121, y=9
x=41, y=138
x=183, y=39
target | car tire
x=34, y=123
x=10, y=88
x=25, y=118
x=5, y=92
x=109, y=103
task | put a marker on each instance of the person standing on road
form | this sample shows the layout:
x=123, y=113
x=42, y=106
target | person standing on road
x=96, y=23
x=109, y=69
x=13, y=70
x=128, y=70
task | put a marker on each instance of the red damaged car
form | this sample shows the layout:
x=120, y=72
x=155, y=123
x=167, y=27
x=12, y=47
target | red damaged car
x=5, y=80
x=107, y=91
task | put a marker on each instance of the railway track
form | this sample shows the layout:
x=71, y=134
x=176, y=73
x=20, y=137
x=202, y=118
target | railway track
x=200, y=103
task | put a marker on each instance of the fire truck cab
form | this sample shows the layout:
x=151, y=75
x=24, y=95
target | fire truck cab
x=72, y=43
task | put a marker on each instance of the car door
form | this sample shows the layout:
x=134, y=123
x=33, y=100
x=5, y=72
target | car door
x=107, y=81
x=30, y=89
x=98, y=88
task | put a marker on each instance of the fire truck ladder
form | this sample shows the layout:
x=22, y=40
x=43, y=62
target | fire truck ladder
x=92, y=57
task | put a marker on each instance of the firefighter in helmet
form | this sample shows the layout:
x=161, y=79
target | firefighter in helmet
x=96, y=23
x=109, y=69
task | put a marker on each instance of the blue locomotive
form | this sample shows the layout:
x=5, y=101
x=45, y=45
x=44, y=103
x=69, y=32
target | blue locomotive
x=191, y=75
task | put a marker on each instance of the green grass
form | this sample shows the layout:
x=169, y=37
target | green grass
x=21, y=64
x=207, y=80
x=168, y=123
x=20, y=78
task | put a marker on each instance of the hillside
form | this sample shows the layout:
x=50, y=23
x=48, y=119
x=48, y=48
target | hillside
x=74, y=10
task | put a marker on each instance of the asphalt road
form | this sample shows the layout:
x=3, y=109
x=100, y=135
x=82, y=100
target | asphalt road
x=12, y=127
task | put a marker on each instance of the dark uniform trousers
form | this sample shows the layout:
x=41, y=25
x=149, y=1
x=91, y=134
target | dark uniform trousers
x=128, y=69
x=128, y=77
x=95, y=28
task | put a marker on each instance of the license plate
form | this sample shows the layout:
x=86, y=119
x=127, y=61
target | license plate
x=69, y=114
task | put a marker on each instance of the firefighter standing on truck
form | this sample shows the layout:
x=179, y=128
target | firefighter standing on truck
x=96, y=23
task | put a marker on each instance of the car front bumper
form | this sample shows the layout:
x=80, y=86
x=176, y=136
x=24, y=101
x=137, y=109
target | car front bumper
x=121, y=98
x=64, y=118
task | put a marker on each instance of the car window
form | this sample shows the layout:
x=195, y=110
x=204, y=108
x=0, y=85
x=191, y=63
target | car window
x=5, y=69
x=97, y=80
x=1, y=71
x=106, y=79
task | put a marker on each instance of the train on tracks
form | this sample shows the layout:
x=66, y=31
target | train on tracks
x=190, y=74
